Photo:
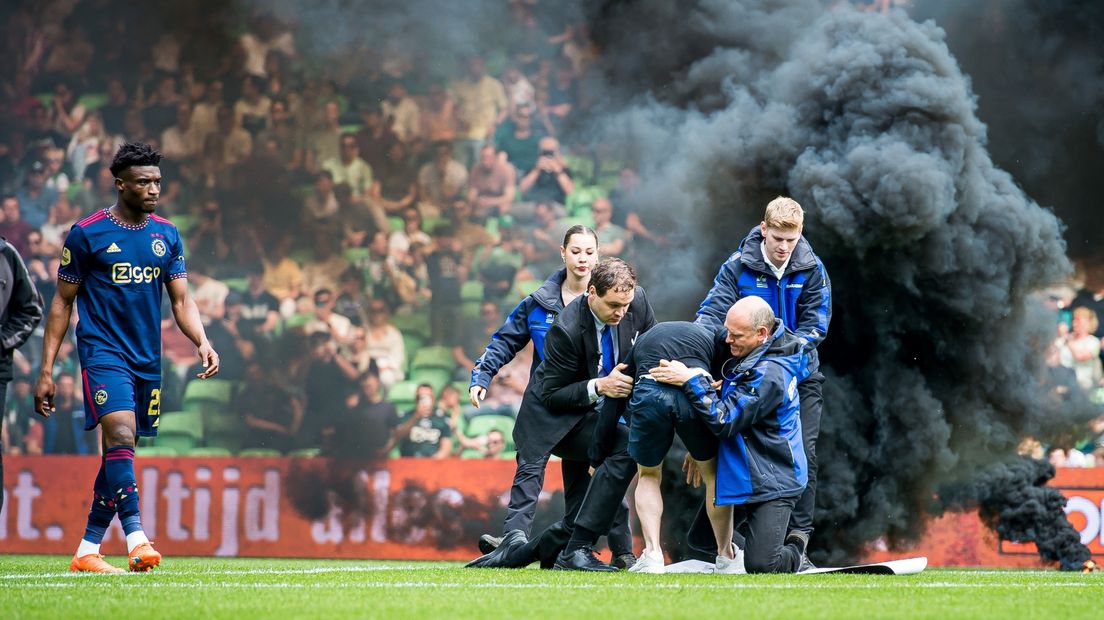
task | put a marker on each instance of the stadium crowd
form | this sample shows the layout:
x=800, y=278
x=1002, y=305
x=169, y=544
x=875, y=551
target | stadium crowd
x=358, y=223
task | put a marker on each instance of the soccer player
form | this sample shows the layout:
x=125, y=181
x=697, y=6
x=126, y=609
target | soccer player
x=114, y=264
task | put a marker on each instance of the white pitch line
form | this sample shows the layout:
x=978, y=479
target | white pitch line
x=368, y=585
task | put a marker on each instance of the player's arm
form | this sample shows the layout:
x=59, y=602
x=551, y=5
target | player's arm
x=187, y=319
x=503, y=347
x=57, y=323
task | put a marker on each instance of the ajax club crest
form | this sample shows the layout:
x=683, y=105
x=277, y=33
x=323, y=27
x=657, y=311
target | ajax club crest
x=159, y=247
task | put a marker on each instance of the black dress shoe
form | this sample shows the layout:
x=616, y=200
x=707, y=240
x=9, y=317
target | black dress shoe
x=488, y=543
x=624, y=561
x=581, y=559
x=500, y=556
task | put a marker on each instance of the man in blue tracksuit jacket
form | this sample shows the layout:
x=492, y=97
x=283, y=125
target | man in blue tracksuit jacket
x=776, y=263
x=762, y=469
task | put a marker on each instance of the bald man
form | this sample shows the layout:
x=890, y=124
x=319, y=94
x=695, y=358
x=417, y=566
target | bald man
x=761, y=469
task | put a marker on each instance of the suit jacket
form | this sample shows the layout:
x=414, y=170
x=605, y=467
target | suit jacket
x=557, y=400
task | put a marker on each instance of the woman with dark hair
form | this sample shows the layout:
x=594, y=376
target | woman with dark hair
x=530, y=321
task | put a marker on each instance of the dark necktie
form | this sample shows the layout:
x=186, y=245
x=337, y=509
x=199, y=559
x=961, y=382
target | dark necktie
x=608, y=360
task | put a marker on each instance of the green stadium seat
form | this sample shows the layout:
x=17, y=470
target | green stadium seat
x=259, y=452
x=184, y=222
x=157, y=451
x=179, y=443
x=416, y=323
x=472, y=290
x=402, y=394
x=436, y=377
x=228, y=441
x=433, y=357
x=483, y=424
x=395, y=222
x=209, y=452
x=183, y=422
x=412, y=342
x=469, y=310
x=237, y=284
x=355, y=255
x=297, y=320
x=471, y=453
x=526, y=287
x=216, y=392
x=305, y=453
x=93, y=101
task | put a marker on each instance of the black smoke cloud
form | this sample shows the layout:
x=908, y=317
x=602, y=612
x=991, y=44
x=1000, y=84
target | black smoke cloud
x=934, y=356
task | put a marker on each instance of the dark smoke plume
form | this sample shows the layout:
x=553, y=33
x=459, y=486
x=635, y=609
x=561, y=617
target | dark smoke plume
x=934, y=356
x=1013, y=500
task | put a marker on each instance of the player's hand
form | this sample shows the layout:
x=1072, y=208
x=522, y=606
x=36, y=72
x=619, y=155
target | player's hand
x=671, y=372
x=693, y=474
x=616, y=384
x=210, y=361
x=476, y=394
x=44, y=396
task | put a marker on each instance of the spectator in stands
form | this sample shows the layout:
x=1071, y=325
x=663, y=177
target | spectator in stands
x=260, y=314
x=326, y=320
x=56, y=178
x=440, y=181
x=500, y=265
x=446, y=275
x=360, y=217
x=424, y=431
x=252, y=111
x=385, y=343
x=399, y=243
x=159, y=110
x=237, y=143
x=321, y=204
x=613, y=238
x=412, y=277
x=375, y=137
x=1085, y=348
x=12, y=226
x=519, y=92
x=181, y=142
x=111, y=113
x=209, y=239
x=439, y=116
x=325, y=141
x=281, y=129
x=549, y=179
x=351, y=301
x=35, y=199
x=470, y=235
x=282, y=275
x=492, y=184
x=205, y=112
x=323, y=269
x=397, y=187
x=540, y=246
x=403, y=113
x=481, y=104
x=208, y=293
x=272, y=410
x=518, y=140
x=63, y=431
x=350, y=168
x=329, y=379
x=96, y=192
x=369, y=420
x=490, y=445
x=562, y=95
x=62, y=217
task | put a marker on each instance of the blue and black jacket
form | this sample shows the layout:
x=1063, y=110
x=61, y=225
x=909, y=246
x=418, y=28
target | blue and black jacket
x=530, y=320
x=802, y=299
x=757, y=416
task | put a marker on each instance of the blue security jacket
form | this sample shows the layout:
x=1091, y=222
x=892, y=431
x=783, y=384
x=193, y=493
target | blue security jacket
x=757, y=416
x=530, y=320
x=802, y=299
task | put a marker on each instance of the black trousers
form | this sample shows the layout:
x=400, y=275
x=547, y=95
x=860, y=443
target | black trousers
x=596, y=502
x=764, y=526
x=3, y=407
x=812, y=405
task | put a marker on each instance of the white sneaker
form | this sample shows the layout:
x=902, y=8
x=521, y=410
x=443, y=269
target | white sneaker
x=733, y=566
x=649, y=562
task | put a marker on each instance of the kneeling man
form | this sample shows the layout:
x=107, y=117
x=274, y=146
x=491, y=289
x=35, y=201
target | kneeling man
x=762, y=468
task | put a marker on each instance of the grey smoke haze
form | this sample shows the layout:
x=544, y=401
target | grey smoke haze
x=934, y=357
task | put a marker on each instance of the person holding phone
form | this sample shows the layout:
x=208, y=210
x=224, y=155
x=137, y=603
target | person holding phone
x=549, y=180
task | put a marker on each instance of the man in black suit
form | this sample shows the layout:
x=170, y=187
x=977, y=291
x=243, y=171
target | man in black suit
x=580, y=369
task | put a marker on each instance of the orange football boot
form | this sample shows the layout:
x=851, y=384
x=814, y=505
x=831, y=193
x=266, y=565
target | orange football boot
x=143, y=558
x=92, y=563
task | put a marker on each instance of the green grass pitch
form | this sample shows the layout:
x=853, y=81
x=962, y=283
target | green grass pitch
x=207, y=588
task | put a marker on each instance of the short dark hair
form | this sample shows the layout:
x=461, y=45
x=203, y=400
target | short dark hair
x=612, y=274
x=132, y=154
